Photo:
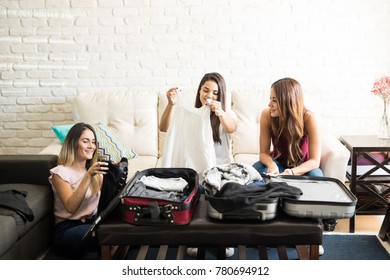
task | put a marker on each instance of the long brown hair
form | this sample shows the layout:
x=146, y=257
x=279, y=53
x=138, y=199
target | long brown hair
x=220, y=81
x=290, y=122
x=69, y=148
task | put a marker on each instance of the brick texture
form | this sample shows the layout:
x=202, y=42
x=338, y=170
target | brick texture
x=52, y=50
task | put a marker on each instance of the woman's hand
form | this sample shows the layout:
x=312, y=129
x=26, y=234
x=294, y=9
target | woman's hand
x=287, y=171
x=273, y=169
x=215, y=106
x=171, y=95
x=99, y=167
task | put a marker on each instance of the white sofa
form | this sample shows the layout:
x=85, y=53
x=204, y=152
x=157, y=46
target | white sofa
x=134, y=117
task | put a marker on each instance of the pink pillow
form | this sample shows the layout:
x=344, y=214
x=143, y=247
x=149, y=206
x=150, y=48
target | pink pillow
x=363, y=161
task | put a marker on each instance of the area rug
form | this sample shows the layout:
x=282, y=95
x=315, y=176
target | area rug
x=336, y=246
x=353, y=247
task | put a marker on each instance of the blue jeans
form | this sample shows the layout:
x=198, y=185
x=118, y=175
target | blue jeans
x=67, y=239
x=261, y=168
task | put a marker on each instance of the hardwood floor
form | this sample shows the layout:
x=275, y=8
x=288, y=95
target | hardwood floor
x=364, y=224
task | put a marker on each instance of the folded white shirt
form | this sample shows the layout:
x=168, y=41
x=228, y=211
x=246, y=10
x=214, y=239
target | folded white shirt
x=164, y=184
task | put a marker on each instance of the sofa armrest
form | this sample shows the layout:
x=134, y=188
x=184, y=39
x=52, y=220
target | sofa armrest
x=334, y=157
x=30, y=169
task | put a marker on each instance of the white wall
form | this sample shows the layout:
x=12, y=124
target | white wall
x=52, y=50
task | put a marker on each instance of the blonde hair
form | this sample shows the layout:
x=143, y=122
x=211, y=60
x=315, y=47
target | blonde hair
x=290, y=122
x=69, y=148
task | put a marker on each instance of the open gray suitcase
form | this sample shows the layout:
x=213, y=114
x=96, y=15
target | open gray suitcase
x=322, y=197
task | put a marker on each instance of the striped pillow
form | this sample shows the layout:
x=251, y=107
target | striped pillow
x=109, y=146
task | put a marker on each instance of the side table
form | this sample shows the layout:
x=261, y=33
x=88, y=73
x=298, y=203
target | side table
x=384, y=232
x=363, y=178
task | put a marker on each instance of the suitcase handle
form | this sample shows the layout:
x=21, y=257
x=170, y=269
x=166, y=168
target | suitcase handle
x=256, y=217
x=154, y=214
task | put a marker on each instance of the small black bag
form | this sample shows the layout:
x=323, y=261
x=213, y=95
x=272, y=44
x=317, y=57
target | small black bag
x=113, y=182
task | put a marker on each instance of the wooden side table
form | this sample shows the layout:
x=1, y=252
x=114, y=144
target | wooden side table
x=367, y=176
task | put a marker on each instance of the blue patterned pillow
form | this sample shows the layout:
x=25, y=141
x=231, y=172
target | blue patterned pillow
x=109, y=146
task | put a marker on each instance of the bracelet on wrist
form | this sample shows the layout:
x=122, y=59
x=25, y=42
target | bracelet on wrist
x=292, y=172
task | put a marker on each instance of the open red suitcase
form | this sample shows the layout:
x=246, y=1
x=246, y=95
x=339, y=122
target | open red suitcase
x=144, y=210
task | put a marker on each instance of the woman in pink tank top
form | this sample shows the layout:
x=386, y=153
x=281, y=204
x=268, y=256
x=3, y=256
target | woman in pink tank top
x=292, y=132
x=76, y=182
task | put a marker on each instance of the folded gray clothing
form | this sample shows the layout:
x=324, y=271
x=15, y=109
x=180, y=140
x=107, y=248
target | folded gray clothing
x=165, y=184
x=139, y=189
x=219, y=175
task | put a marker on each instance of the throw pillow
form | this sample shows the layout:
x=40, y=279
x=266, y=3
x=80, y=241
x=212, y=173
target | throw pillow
x=61, y=131
x=109, y=146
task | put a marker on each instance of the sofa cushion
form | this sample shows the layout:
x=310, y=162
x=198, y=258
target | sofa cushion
x=13, y=228
x=13, y=203
x=132, y=116
x=140, y=163
x=248, y=106
x=246, y=158
x=39, y=198
x=8, y=234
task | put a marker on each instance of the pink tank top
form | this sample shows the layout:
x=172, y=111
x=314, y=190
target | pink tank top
x=283, y=149
x=89, y=205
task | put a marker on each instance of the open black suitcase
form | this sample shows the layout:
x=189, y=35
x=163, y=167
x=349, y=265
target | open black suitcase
x=320, y=197
x=237, y=207
x=144, y=210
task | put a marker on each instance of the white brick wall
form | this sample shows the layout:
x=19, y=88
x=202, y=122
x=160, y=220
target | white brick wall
x=52, y=50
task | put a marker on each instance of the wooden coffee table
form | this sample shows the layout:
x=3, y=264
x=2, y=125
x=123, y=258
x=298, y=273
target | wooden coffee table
x=305, y=234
